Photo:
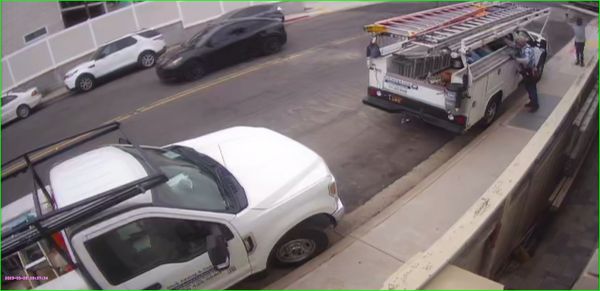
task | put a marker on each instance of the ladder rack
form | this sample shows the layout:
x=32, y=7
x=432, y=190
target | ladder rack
x=445, y=27
x=44, y=225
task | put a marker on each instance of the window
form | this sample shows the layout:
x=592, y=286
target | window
x=149, y=33
x=124, y=43
x=7, y=99
x=228, y=33
x=35, y=35
x=251, y=11
x=189, y=186
x=139, y=246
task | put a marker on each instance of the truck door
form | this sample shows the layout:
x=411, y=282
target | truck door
x=158, y=248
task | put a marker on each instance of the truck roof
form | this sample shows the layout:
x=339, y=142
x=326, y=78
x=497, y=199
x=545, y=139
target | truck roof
x=92, y=173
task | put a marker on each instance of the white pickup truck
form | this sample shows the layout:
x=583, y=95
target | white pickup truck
x=450, y=66
x=235, y=202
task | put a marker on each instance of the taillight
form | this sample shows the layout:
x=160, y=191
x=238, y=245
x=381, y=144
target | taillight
x=373, y=91
x=459, y=119
x=34, y=92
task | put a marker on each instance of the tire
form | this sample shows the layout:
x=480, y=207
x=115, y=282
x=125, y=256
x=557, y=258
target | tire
x=85, y=82
x=194, y=71
x=491, y=111
x=147, y=59
x=271, y=45
x=297, y=247
x=23, y=111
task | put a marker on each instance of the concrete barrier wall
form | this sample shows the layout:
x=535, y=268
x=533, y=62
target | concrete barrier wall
x=7, y=80
x=110, y=26
x=482, y=240
x=31, y=65
x=156, y=14
x=69, y=44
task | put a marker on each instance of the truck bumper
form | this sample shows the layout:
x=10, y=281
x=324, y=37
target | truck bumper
x=414, y=111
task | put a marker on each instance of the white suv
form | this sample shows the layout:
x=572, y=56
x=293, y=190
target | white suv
x=140, y=48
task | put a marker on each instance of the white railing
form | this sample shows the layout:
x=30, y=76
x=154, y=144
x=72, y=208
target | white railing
x=44, y=55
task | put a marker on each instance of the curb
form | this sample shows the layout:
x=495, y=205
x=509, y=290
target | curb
x=55, y=96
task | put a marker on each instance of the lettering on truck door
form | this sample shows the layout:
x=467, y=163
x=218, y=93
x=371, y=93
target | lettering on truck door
x=160, y=248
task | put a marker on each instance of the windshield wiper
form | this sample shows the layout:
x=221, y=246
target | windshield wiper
x=209, y=165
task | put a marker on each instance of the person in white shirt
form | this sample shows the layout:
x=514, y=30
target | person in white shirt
x=579, y=31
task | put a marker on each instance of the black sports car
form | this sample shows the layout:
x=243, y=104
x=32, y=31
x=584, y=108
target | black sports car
x=222, y=44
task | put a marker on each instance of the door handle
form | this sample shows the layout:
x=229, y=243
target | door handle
x=154, y=286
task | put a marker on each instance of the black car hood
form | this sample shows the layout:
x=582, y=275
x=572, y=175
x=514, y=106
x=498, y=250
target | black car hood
x=172, y=54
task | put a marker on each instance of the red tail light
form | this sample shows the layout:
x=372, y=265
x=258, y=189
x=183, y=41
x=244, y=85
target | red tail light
x=459, y=119
x=372, y=91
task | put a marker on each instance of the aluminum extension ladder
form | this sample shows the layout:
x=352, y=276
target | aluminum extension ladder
x=444, y=27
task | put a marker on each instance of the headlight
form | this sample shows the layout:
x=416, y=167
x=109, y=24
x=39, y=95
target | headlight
x=174, y=63
x=333, y=192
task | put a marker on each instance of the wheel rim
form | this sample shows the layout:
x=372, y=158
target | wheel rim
x=296, y=250
x=490, y=113
x=272, y=46
x=147, y=60
x=86, y=84
x=23, y=112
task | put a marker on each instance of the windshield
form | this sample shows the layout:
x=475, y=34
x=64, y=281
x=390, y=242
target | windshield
x=197, y=38
x=192, y=183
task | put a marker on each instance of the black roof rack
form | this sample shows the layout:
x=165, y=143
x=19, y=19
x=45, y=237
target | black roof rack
x=44, y=225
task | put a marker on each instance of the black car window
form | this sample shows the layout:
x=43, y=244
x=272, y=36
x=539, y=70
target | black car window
x=7, y=99
x=251, y=11
x=228, y=33
x=124, y=43
x=149, y=33
x=137, y=247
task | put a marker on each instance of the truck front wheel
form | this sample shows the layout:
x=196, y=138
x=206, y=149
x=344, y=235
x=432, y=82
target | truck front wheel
x=298, y=246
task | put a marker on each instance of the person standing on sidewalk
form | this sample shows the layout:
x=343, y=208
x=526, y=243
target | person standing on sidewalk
x=526, y=60
x=579, y=31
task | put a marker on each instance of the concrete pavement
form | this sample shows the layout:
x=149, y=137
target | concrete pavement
x=367, y=256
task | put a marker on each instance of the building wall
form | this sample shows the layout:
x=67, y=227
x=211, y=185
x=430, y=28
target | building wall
x=21, y=18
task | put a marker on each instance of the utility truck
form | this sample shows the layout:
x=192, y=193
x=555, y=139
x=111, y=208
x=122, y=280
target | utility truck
x=203, y=213
x=450, y=66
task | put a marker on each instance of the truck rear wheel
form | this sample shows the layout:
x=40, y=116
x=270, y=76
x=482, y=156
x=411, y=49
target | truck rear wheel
x=491, y=111
x=298, y=246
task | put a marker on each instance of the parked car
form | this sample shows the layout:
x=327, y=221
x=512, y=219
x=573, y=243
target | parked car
x=141, y=48
x=263, y=11
x=222, y=44
x=19, y=104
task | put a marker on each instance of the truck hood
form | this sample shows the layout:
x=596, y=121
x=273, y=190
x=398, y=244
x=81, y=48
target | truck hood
x=272, y=168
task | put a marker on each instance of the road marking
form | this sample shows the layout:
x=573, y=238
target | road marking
x=183, y=94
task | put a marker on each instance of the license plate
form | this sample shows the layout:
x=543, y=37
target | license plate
x=395, y=99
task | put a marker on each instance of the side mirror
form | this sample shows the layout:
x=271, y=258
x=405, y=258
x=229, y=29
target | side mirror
x=217, y=251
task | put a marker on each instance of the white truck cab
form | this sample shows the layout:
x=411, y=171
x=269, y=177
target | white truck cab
x=449, y=66
x=234, y=202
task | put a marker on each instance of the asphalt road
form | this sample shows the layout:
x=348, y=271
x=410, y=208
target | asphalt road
x=311, y=91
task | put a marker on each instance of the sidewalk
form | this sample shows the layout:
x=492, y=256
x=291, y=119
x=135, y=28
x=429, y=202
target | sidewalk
x=366, y=257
